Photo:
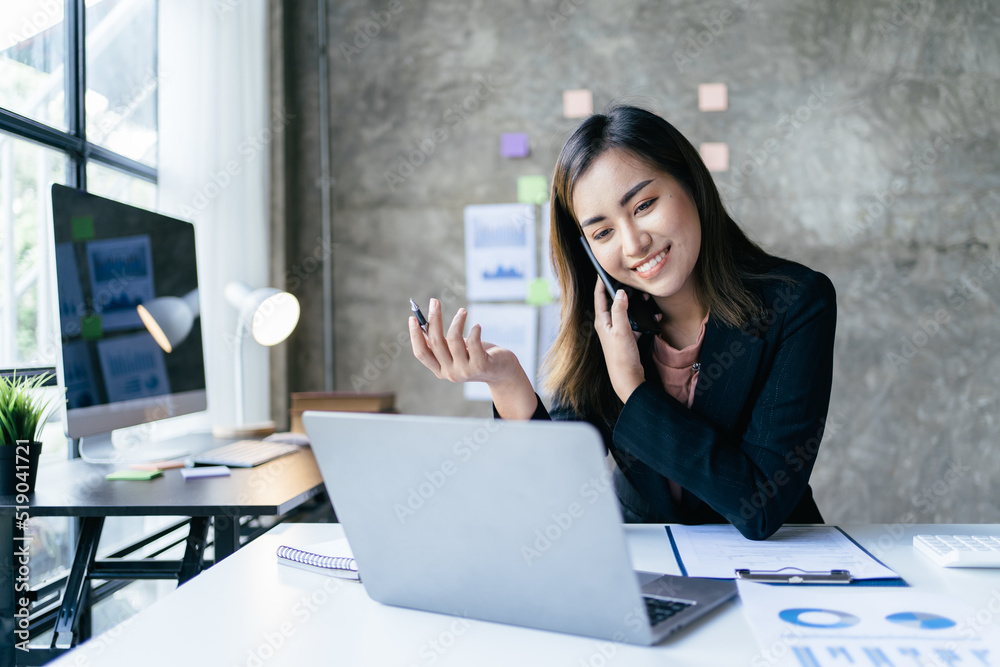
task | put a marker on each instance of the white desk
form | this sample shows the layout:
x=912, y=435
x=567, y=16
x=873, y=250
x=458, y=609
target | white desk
x=250, y=611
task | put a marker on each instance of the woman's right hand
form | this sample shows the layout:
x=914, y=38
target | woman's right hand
x=457, y=359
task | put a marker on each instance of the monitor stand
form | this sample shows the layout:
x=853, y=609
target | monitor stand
x=101, y=449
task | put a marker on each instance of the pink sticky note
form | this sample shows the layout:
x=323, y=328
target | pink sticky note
x=715, y=156
x=514, y=144
x=713, y=97
x=578, y=103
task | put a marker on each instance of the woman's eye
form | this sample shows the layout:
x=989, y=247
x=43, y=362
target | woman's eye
x=644, y=205
x=601, y=234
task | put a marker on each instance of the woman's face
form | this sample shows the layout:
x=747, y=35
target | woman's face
x=641, y=224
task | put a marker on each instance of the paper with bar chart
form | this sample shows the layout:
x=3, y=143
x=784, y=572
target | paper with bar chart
x=499, y=251
x=513, y=327
x=826, y=626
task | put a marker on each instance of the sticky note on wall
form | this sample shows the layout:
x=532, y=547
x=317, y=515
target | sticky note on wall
x=514, y=144
x=532, y=189
x=713, y=97
x=715, y=156
x=578, y=103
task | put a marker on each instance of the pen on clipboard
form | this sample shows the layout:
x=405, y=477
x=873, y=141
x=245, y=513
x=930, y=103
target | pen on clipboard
x=421, y=320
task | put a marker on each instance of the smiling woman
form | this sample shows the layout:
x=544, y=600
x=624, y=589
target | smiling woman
x=719, y=415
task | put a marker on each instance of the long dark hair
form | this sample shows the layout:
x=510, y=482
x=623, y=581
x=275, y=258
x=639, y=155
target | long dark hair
x=575, y=368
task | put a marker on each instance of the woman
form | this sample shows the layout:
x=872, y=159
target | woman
x=719, y=416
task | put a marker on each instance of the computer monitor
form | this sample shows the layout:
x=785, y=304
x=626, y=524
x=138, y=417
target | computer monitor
x=112, y=261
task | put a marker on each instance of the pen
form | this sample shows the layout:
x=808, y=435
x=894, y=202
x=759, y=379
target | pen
x=421, y=320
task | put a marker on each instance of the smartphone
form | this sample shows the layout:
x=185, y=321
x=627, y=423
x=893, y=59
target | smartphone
x=641, y=313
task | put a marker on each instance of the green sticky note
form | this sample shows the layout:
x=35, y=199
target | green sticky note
x=133, y=475
x=91, y=327
x=532, y=189
x=539, y=293
x=82, y=227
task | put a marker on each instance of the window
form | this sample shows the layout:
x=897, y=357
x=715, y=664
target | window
x=78, y=106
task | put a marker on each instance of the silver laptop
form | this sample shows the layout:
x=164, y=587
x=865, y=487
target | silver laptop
x=513, y=522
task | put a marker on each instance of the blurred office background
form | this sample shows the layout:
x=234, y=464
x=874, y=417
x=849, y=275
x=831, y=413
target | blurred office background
x=863, y=142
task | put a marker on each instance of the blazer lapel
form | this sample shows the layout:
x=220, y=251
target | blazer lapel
x=729, y=361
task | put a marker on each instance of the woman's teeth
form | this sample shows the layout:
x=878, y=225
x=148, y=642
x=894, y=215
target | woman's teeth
x=651, y=263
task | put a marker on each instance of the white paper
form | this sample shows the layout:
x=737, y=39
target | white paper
x=718, y=550
x=499, y=251
x=548, y=270
x=549, y=317
x=824, y=626
x=513, y=327
x=650, y=549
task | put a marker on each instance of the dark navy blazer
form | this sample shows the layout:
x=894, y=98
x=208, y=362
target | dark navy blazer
x=745, y=449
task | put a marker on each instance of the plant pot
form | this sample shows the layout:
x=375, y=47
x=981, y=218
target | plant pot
x=17, y=475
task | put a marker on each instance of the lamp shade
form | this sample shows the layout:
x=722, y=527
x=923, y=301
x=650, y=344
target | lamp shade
x=169, y=318
x=269, y=313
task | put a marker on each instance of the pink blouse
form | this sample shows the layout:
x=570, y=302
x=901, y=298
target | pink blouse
x=678, y=370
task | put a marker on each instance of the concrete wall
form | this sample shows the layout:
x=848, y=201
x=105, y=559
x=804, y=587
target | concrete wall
x=863, y=139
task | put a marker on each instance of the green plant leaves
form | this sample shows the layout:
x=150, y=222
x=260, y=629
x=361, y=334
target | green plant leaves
x=21, y=410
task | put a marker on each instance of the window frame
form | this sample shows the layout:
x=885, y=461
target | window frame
x=73, y=141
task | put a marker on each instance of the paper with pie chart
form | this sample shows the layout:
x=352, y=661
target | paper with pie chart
x=820, y=626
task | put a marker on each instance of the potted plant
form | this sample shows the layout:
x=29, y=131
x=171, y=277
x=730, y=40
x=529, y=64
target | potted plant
x=22, y=414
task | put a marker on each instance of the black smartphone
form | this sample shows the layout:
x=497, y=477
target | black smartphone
x=641, y=313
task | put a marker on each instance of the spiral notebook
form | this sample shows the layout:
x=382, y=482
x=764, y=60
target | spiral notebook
x=333, y=558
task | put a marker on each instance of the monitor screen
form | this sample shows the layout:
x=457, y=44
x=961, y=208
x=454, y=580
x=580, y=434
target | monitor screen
x=121, y=273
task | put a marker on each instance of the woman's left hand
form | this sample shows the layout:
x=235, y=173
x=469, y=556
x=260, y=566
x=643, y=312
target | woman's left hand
x=618, y=341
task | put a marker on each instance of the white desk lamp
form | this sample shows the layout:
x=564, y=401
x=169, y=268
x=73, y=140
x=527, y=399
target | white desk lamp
x=270, y=316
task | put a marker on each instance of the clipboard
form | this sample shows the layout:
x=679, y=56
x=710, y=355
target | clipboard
x=793, y=575
x=790, y=575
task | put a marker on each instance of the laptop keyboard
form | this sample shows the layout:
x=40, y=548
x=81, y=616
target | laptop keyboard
x=660, y=610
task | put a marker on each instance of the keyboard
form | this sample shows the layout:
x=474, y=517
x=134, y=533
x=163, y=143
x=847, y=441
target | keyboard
x=960, y=550
x=245, y=453
x=660, y=610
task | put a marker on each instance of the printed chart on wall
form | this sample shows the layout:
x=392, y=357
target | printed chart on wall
x=499, y=251
x=513, y=327
x=817, y=626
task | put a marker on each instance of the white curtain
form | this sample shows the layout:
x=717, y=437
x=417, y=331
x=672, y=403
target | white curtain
x=213, y=170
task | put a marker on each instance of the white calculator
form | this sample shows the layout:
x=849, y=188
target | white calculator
x=960, y=550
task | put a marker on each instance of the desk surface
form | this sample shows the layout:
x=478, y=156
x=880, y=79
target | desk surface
x=275, y=615
x=76, y=488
